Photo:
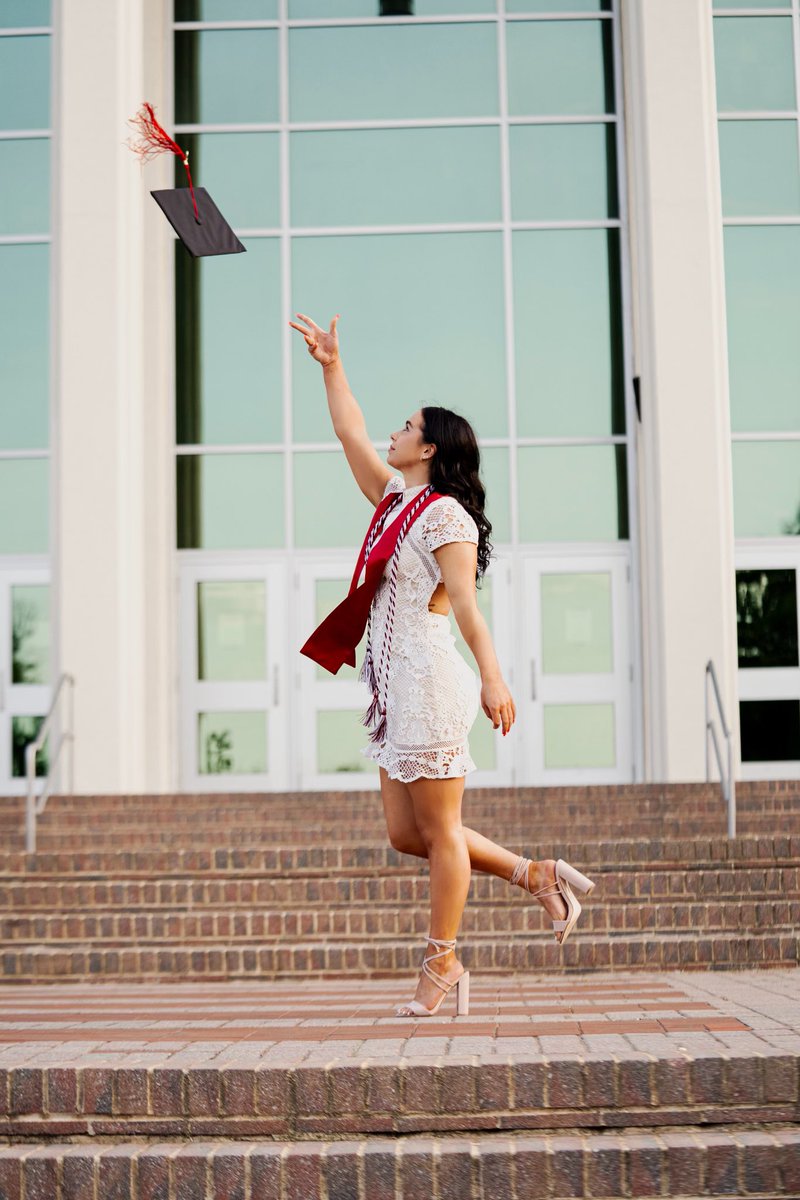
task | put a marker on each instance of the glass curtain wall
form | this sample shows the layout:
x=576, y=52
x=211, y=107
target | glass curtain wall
x=757, y=51
x=443, y=174
x=25, y=225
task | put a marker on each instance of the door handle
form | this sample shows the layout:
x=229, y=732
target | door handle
x=276, y=691
x=533, y=679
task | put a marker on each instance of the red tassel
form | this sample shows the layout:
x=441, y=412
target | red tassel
x=379, y=732
x=154, y=140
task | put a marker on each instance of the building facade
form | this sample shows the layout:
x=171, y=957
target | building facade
x=574, y=221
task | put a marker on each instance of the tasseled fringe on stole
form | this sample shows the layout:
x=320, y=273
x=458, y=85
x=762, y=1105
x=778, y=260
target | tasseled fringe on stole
x=374, y=712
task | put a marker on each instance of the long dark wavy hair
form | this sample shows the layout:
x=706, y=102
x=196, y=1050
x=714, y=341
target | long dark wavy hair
x=455, y=469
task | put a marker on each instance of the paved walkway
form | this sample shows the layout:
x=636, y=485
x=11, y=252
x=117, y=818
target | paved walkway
x=286, y=1024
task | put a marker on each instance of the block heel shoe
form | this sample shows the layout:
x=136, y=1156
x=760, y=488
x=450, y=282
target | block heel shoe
x=415, y=1009
x=566, y=879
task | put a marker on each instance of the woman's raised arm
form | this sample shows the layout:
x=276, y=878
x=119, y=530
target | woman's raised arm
x=371, y=474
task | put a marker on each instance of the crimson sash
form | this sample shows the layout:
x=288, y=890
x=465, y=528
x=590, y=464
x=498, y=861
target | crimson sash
x=334, y=641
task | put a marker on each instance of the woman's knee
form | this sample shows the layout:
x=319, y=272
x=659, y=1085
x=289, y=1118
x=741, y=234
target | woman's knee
x=406, y=841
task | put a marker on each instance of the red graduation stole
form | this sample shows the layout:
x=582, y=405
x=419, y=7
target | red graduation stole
x=334, y=641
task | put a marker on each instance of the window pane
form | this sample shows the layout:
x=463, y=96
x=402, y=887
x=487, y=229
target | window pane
x=766, y=618
x=25, y=82
x=226, y=77
x=385, y=71
x=759, y=167
x=770, y=730
x=231, y=628
x=226, y=10
x=242, y=170
x=25, y=194
x=559, y=67
x=232, y=743
x=385, y=8
x=230, y=501
x=228, y=346
x=24, y=504
x=495, y=475
x=24, y=347
x=24, y=14
x=340, y=738
x=766, y=489
x=444, y=292
x=395, y=177
x=579, y=735
x=754, y=64
x=576, y=624
x=563, y=172
x=30, y=633
x=762, y=283
x=572, y=493
x=341, y=522
x=327, y=594
x=567, y=314
x=23, y=731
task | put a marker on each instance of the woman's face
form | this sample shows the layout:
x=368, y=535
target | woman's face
x=406, y=446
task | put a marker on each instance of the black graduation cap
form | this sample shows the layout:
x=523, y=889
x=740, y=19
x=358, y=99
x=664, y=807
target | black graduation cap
x=190, y=211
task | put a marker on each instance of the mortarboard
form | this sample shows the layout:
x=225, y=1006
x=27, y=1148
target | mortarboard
x=190, y=211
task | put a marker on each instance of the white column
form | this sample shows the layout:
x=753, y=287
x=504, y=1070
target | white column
x=113, y=419
x=684, y=485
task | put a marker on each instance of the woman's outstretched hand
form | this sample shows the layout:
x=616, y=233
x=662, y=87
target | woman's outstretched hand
x=322, y=346
x=497, y=703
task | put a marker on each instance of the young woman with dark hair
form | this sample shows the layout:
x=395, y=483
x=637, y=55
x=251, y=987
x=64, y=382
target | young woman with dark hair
x=427, y=545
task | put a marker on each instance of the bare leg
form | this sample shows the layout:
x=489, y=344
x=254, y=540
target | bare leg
x=484, y=855
x=437, y=811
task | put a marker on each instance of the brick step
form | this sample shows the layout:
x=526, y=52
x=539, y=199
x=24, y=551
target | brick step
x=31, y=893
x=374, y=958
x=348, y=922
x=694, y=1162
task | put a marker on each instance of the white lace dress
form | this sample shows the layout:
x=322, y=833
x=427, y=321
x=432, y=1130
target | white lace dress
x=432, y=695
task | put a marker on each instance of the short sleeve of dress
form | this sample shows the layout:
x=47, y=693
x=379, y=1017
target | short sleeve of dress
x=395, y=484
x=446, y=521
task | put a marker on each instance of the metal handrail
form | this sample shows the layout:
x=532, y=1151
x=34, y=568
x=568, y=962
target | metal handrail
x=35, y=804
x=726, y=777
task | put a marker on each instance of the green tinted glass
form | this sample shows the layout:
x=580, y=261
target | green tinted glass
x=391, y=71
x=766, y=618
x=25, y=191
x=226, y=10
x=226, y=76
x=559, y=68
x=754, y=64
x=23, y=731
x=572, y=493
x=231, y=629
x=579, y=735
x=387, y=8
x=232, y=743
x=229, y=320
x=25, y=82
x=230, y=501
x=30, y=633
x=762, y=284
x=395, y=176
x=343, y=519
x=770, y=730
x=24, y=14
x=340, y=738
x=577, y=626
x=759, y=167
x=25, y=505
x=766, y=489
x=24, y=347
x=495, y=475
x=568, y=319
x=241, y=172
x=563, y=172
x=444, y=291
x=327, y=594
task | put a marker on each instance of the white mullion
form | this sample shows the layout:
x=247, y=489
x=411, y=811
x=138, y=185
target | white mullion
x=761, y=436
x=27, y=31
x=366, y=124
x=508, y=275
x=451, y=227
x=18, y=135
x=779, y=114
x=25, y=239
x=14, y=454
x=286, y=283
x=739, y=221
x=796, y=47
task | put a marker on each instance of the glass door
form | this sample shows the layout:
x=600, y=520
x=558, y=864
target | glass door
x=767, y=615
x=25, y=684
x=577, y=671
x=234, y=687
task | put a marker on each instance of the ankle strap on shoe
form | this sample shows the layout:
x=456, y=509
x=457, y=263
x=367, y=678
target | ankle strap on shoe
x=520, y=873
x=443, y=947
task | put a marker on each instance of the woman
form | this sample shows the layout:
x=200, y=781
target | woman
x=425, y=697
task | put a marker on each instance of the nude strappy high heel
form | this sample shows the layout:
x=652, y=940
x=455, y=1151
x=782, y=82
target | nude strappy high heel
x=415, y=1009
x=566, y=879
